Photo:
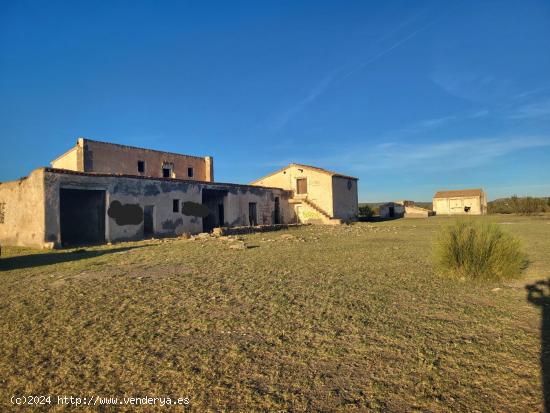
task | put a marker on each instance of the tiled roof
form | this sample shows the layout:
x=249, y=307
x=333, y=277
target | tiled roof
x=315, y=168
x=458, y=193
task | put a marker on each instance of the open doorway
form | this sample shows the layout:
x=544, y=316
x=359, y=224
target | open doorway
x=148, y=221
x=82, y=216
x=277, y=212
x=252, y=214
x=213, y=199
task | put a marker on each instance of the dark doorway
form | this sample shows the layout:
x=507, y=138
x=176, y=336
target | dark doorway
x=148, y=221
x=221, y=218
x=392, y=212
x=301, y=186
x=82, y=216
x=213, y=200
x=252, y=214
x=276, y=212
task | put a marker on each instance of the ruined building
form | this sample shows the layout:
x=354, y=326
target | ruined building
x=102, y=192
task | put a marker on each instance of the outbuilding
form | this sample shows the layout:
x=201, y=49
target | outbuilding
x=460, y=202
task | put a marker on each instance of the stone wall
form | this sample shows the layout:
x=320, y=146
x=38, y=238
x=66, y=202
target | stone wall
x=102, y=157
x=162, y=194
x=22, y=211
x=345, y=198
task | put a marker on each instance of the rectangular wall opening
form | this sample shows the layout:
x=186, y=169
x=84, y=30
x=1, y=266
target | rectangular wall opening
x=277, y=212
x=252, y=214
x=148, y=221
x=82, y=216
x=301, y=186
x=213, y=198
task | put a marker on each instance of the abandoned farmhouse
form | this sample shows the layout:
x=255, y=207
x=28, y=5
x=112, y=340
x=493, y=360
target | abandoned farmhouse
x=100, y=192
x=460, y=202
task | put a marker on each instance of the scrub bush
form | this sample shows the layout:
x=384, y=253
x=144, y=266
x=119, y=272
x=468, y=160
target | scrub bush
x=471, y=249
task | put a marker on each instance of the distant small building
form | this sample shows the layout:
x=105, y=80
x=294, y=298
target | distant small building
x=403, y=209
x=460, y=202
x=392, y=210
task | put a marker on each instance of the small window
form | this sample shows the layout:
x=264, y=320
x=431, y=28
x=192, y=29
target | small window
x=190, y=172
x=2, y=212
x=301, y=186
x=141, y=166
x=176, y=205
x=166, y=172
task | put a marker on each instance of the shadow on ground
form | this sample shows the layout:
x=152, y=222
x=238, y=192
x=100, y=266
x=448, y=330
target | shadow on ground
x=539, y=295
x=37, y=260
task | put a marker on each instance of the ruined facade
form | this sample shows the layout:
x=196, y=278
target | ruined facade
x=111, y=158
x=460, y=202
x=318, y=195
x=100, y=192
x=55, y=207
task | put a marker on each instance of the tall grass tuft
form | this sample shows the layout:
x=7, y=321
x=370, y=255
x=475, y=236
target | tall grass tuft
x=480, y=250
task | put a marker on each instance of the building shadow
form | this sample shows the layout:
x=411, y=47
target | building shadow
x=49, y=258
x=539, y=295
x=377, y=218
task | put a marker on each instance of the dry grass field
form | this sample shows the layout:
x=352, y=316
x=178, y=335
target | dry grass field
x=349, y=318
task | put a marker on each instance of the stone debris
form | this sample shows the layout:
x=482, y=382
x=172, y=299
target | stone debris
x=238, y=246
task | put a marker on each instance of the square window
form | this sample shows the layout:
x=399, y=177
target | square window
x=190, y=172
x=176, y=205
x=141, y=166
x=166, y=172
x=301, y=186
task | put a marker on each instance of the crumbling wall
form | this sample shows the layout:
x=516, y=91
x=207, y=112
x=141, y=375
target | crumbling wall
x=238, y=199
x=22, y=211
x=126, y=199
x=102, y=157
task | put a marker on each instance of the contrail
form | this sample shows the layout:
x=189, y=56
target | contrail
x=335, y=78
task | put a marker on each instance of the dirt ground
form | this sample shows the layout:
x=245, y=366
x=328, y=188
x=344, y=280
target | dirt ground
x=346, y=318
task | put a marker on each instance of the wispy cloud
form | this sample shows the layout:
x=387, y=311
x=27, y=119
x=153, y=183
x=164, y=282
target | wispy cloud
x=343, y=72
x=533, y=110
x=435, y=123
x=285, y=117
x=430, y=157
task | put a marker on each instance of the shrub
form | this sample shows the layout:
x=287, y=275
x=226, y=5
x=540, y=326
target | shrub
x=516, y=205
x=365, y=211
x=471, y=249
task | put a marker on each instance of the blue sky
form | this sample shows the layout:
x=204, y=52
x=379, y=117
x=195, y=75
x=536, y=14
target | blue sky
x=411, y=97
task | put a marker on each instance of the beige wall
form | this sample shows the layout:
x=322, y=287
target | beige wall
x=23, y=211
x=319, y=185
x=69, y=160
x=455, y=205
x=101, y=157
x=345, y=198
